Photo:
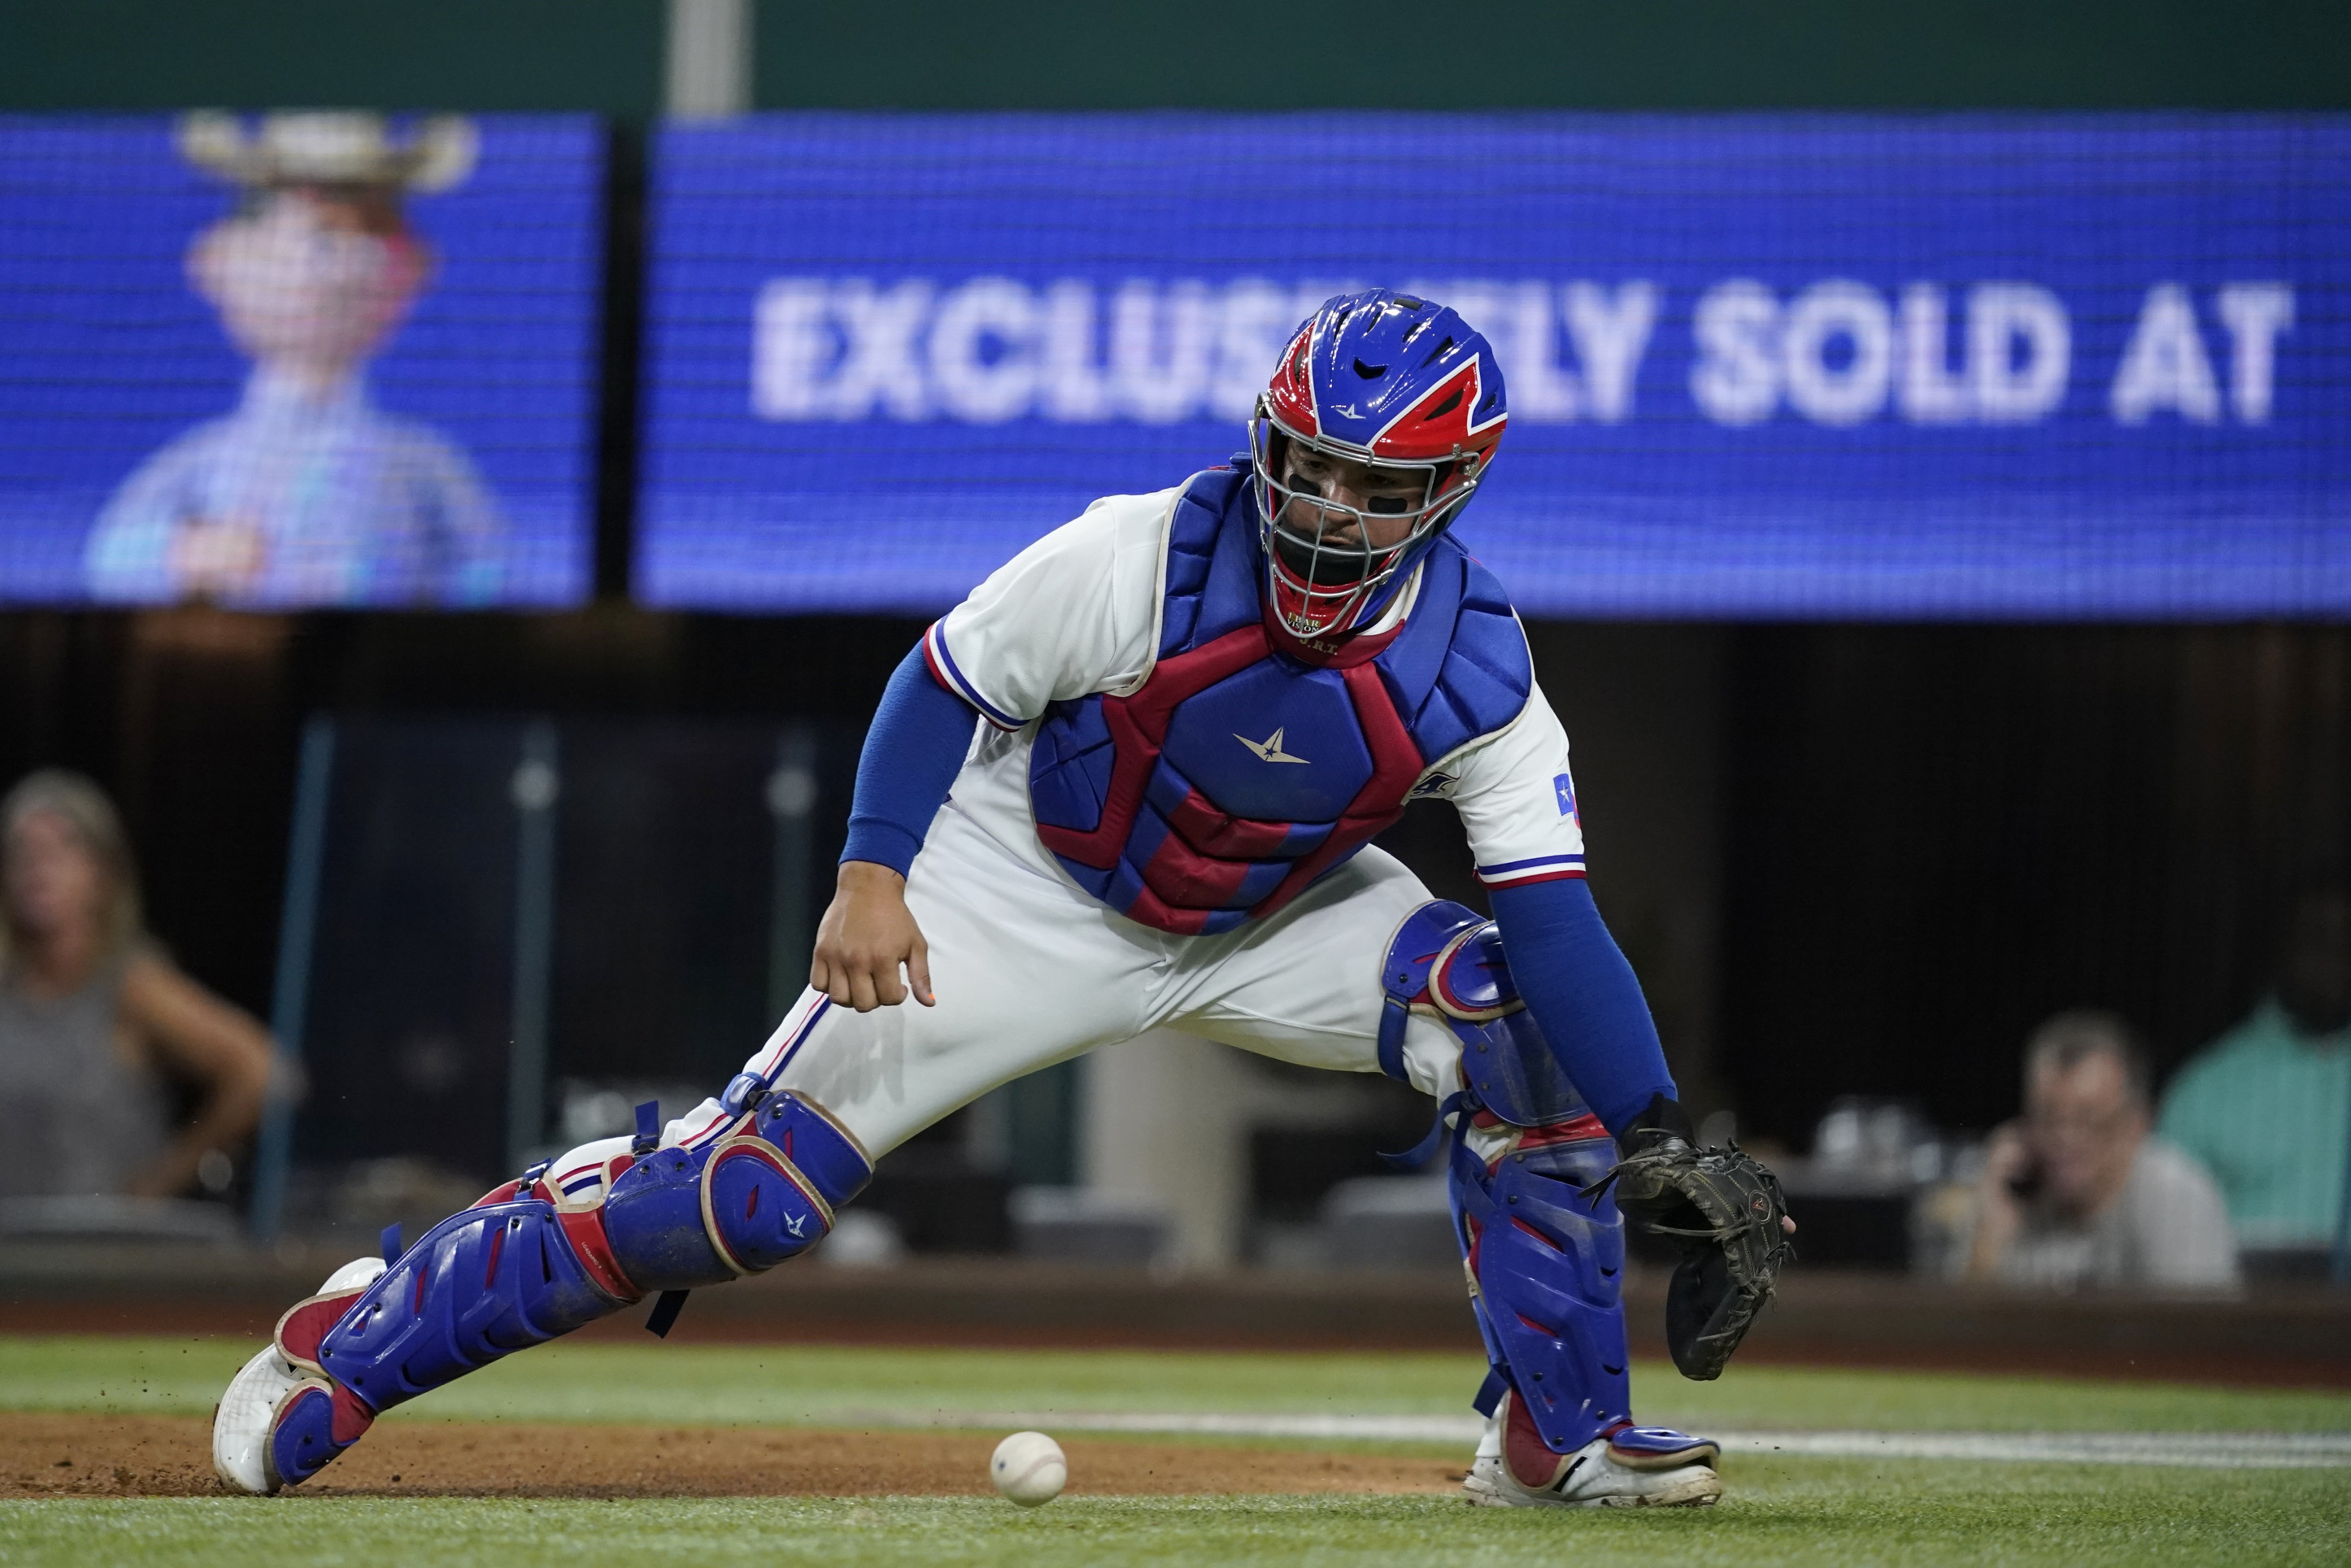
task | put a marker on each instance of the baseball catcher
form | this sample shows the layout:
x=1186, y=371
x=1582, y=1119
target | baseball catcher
x=1131, y=783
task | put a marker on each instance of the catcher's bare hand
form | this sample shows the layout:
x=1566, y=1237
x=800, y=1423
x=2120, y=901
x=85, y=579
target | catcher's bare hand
x=866, y=936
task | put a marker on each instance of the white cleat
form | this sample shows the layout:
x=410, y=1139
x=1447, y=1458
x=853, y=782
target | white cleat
x=241, y=1421
x=1633, y=1466
x=1593, y=1478
x=248, y=1408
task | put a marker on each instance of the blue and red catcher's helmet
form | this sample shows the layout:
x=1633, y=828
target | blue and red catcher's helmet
x=1386, y=379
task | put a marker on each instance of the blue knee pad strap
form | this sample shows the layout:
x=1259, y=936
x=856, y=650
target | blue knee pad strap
x=1546, y=1264
x=1427, y=935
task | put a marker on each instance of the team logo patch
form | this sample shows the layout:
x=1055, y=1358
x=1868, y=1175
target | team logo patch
x=1563, y=786
x=1269, y=749
x=1435, y=784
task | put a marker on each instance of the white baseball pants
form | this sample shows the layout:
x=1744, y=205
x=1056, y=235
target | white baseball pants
x=1030, y=970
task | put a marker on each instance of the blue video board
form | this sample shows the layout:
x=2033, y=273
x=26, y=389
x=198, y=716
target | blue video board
x=300, y=358
x=1759, y=366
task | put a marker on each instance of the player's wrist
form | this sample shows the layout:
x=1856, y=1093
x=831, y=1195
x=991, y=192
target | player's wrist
x=1662, y=1120
x=869, y=880
x=883, y=844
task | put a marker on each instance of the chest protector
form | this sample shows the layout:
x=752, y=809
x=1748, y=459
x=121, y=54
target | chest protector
x=1248, y=763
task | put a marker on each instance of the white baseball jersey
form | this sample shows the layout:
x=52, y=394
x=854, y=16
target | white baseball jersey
x=1078, y=612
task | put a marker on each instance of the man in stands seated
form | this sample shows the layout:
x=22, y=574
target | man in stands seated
x=2075, y=1194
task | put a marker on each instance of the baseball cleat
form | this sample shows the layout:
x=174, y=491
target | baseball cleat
x=1631, y=1466
x=271, y=1398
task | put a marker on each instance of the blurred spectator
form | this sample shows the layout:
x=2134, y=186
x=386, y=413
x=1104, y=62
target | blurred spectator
x=2075, y=1193
x=2267, y=1106
x=94, y=1019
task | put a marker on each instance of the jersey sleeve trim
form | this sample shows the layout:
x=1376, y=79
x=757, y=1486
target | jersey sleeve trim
x=944, y=671
x=1542, y=868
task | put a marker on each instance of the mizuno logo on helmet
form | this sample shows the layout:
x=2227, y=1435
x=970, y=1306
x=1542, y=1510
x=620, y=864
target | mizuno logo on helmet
x=1268, y=749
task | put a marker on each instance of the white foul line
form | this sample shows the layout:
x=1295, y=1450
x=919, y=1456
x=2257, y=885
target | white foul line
x=2191, y=1450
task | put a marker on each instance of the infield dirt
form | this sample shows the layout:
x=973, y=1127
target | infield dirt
x=79, y=1455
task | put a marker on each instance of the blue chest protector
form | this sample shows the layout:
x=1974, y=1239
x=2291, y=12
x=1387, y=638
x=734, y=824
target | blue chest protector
x=1249, y=763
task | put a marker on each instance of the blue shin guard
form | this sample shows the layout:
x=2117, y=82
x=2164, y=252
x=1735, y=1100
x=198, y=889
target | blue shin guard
x=1546, y=1264
x=481, y=1284
x=532, y=1262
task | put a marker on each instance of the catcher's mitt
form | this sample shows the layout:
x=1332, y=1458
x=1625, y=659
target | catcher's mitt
x=1722, y=1211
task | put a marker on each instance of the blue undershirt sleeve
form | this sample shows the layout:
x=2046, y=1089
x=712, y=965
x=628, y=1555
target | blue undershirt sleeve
x=913, y=752
x=1585, y=997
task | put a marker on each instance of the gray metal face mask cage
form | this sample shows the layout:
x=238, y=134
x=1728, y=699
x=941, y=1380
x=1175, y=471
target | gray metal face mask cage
x=1341, y=576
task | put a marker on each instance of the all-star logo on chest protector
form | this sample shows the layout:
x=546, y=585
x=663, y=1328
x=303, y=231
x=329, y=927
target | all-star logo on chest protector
x=1162, y=804
x=1268, y=749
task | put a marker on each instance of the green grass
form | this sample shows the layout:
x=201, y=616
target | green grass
x=823, y=1385
x=1814, y=1513
x=1820, y=1514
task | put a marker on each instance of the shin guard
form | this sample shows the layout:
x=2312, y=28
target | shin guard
x=481, y=1284
x=1546, y=1263
x=535, y=1260
x=1546, y=1267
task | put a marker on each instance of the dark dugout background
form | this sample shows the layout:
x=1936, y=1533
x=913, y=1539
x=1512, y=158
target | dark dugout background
x=1846, y=858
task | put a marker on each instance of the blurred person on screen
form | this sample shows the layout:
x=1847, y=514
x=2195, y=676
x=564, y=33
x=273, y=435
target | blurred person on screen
x=2077, y=1193
x=2267, y=1106
x=96, y=1024
x=307, y=493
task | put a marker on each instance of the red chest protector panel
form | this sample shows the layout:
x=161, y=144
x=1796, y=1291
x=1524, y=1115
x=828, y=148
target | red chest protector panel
x=1247, y=765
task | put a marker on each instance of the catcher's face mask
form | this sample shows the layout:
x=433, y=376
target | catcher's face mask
x=1339, y=529
x=1375, y=431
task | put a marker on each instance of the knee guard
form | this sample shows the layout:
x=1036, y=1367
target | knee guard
x=763, y=1191
x=1446, y=962
x=1545, y=1264
x=534, y=1259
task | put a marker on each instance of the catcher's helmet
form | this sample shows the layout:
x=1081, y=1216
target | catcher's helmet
x=1381, y=377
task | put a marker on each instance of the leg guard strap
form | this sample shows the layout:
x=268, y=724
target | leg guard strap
x=1427, y=935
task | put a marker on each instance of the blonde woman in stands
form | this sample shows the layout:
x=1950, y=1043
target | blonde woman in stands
x=95, y=1023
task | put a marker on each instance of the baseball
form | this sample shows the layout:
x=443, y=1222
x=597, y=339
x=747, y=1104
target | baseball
x=1029, y=1469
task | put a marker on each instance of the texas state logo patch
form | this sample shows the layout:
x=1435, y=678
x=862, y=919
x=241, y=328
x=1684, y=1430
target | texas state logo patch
x=1563, y=786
